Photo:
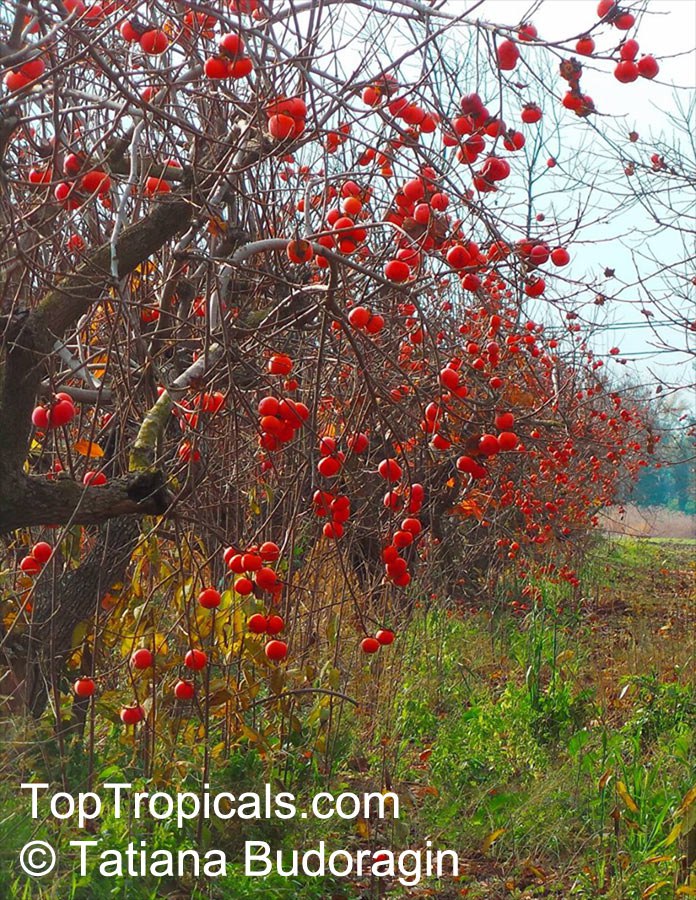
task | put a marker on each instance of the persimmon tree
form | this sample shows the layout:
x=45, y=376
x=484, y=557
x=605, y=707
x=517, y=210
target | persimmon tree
x=279, y=292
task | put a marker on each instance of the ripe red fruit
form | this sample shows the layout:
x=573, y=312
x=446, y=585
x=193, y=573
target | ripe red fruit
x=385, y=636
x=252, y=562
x=15, y=81
x=228, y=554
x=129, y=32
x=63, y=194
x=257, y=624
x=271, y=424
x=40, y=176
x=626, y=72
x=299, y=251
x=279, y=364
x=390, y=470
x=30, y=566
x=495, y=169
x=531, y=113
x=507, y=440
x=94, y=479
x=375, y=325
x=216, y=68
x=266, y=578
x=269, y=551
x=268, y=406
x=240, y=68
x=357, y=443
x=504, y=421
x=155, y=185
x=281, y=127
x=629, y=49
x=196, y=659
x=274, y=625
x=351, y=205
x=370, y=96
x=449, y=378
x=466, y=464
x=292, y=412
x=73, y=163
x=534, y=287
x=560, y=256
x=231, y=44
x=369, y=645
x=585, y=46
x=95, y=181
x=295, y=107
x=209, y=598
x=84, y=687
x=397, y=271
x=154, y=42
x=213, y=402
x=412, y=525
x=42, y=552
x=131, y=715
x=184, y=690
x=508, y=55
x=243, y=586
x=604, y=7
x=458, y=257
x=39, y=417
x=624, y=22
x=414, y=190
x=359, y=316
x=333, y=530
x=648, y=67
x=61, y=413
x=488, y=444
x=421, y=213
x=33, y=69
x=396, y=567
x=403, y=539
x=276, y=650
x=142, y=658
x=329, y=466
x=439, y=202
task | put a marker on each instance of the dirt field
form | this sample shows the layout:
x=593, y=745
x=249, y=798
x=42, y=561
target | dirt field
x=649, y=521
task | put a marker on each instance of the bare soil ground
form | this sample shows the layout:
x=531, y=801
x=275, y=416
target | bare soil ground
x=649, y=521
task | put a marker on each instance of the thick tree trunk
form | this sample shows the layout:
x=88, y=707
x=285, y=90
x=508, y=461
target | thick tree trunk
x=59, y=609
x=34, y=500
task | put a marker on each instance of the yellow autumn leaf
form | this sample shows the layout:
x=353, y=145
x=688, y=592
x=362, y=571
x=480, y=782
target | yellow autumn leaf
x=88, y=448
x=491, y=839
x=362, y=828
x=629, y=802
x=688, y=800
x=673, y=835
x=686, y=891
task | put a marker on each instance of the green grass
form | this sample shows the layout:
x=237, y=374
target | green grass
x=550, y=749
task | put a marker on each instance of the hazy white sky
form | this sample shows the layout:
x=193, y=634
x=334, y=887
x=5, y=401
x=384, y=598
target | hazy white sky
x=668, y=31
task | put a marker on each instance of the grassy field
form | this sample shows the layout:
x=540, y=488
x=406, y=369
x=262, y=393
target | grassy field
x=549, y=740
